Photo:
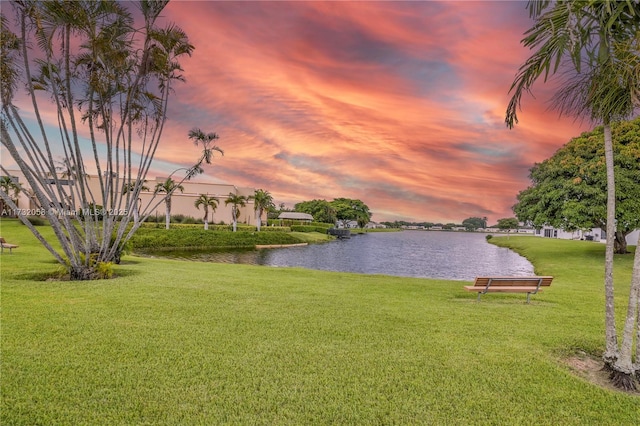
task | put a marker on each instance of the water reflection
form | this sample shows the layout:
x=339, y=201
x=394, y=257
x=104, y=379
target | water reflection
x=446, y=255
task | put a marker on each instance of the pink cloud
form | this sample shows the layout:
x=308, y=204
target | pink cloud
x=400, y=104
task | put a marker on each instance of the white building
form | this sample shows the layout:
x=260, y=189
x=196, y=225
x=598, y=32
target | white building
x=594, y=234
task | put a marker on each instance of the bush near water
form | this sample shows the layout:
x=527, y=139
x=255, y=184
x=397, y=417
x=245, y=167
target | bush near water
x=146, y=238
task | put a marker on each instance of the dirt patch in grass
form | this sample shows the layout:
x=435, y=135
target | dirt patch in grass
x=590, y=368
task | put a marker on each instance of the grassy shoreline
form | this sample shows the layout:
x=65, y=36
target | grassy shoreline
x=175, y=342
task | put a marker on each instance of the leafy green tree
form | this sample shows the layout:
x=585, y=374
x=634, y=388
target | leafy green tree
x=262, y=200
x=168, y=187
x=108, y=71
x=321, y=210
x=568, y=190
x=206, y=202
x=507, y=224
x=473, y=223
x=597, y=45
x=236, y=202
x=347, y=210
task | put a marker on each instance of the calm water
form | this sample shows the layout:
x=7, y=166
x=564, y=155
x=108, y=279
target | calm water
x=446, y=255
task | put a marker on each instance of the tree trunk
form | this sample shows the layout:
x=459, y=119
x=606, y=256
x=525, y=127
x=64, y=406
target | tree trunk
x=235, y=218
x=168, y=215
x=624, y=363
x=636, y=365
x=611, y=351
x=136, y=215
x=620, y=244
x=82, y=273
x=258, y=219
x=635, y=282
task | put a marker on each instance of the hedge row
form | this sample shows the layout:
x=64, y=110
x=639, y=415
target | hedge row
x=309, y=228
x=146, y=238
x=212, y=227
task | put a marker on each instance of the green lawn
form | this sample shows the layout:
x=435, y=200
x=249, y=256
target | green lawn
x=177, y=343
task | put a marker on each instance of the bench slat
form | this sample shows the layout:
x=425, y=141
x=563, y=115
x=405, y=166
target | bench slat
x=512, y=281
x=503, y=289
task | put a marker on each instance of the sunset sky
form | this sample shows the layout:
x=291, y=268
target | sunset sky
x=399, y=104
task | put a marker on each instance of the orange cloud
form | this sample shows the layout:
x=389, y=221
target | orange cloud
x=400, y=104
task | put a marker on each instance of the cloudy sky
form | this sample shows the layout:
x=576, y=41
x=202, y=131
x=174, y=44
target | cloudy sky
x=399, y=104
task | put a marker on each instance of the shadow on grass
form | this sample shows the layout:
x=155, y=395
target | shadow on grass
x=60, y=273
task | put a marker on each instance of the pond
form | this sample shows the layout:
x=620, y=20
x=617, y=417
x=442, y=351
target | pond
x=422, y=254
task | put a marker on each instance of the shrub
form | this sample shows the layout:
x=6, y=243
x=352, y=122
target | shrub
x=309, y=228
x=177, y=218
x=37, y=220
x=275, y=229
x=104, y=270
x=149, y=238
x=488, y=237
x=322, y=225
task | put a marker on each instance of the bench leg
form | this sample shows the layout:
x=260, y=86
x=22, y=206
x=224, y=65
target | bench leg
x=528, y=296
x=479, y=294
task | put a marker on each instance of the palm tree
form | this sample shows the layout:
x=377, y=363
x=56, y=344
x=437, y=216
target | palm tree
x=236, y=201
x=205, y=139
x=7, y=185
x=109, y=72
x=262, y=201
x=168, y=187
x=589, y=39
x=135, y=187
x=205, y=201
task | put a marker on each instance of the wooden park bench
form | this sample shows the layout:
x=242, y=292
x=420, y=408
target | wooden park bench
x=6, y=245
x=529, y=285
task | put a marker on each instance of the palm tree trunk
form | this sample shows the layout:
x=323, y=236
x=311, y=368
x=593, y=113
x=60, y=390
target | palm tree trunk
x=258, y=219
x=636, y=268
x=168, y=214
x=624, y=363
x=611, y=351
x=234, y=213
x=634, y=292
x=136, y=212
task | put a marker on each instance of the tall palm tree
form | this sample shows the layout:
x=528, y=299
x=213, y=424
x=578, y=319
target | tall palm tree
x=168, y=187
x=135, y=187
x=262, y=201
x=205, y=201
x=109, y=72
x=236, y=201
x=587, y=38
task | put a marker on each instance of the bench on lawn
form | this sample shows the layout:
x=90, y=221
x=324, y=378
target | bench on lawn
x=529, y=285
x=6, y=245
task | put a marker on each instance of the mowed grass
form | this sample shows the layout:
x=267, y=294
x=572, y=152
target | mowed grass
x=181, y=343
